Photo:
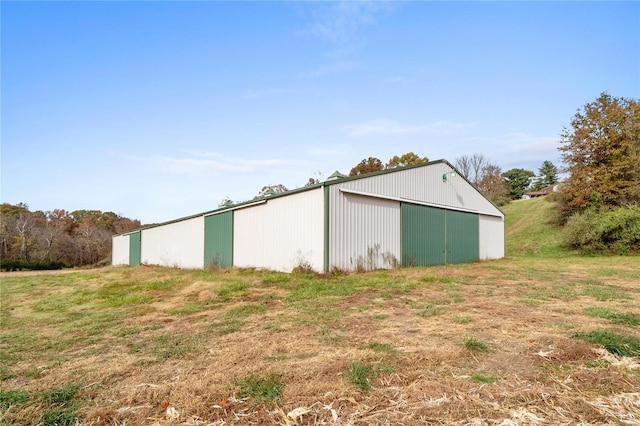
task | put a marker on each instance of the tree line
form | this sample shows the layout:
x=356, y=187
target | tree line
x=56, y=238
x=481, y=172
x=485, y=175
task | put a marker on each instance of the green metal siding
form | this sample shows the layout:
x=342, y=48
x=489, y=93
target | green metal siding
x=463, y=243
x=135, y=248
x=432, y=236
x=423, y=235
x=326, y=229
x=218, y=240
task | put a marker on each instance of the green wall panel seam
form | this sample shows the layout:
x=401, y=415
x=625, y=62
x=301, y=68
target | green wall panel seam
x=326, y=230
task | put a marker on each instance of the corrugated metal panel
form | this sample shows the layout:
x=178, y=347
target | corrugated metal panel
x=462, y=237
x=433, y=236
x=491, y=237
x=364, y=232
x=176, y=244
x=218, y=240
x=423, y=235
x=135, y=248
x=425, y=184
x=282, y=233
x=120, y=250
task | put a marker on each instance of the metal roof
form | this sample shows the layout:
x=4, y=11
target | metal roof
x=336, y=179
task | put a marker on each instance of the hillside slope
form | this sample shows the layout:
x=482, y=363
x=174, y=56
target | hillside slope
x=530, y=229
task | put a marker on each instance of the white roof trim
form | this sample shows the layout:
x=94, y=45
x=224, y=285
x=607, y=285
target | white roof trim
x=235, y=208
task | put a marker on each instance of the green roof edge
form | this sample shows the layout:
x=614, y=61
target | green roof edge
x=309, y=188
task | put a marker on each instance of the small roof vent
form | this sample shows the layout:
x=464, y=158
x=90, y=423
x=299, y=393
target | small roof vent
x=336, y=175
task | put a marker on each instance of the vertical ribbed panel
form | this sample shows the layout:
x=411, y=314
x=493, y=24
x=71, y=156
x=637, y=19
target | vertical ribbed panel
x=462, y=237
x=218, y=240
x=134, y=248
x=364, y=232
x=425, y=184
x=176, y=244
x=423, y=235
x=491, y=237
x=120, y=250
x=282, y=233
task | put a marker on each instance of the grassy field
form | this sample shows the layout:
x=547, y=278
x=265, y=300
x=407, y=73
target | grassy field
x=540, y=337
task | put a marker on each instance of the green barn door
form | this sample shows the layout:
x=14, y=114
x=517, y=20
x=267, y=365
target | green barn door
x=423, y=235
x=218, y=240
x=135, y=248
x=433, y=236
x=463, y=244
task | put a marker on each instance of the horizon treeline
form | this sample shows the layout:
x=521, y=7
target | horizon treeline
x=57, y=238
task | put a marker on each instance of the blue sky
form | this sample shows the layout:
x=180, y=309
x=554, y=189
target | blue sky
x=158, y=110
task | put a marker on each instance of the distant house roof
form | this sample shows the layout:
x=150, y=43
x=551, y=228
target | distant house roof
x=544, y=191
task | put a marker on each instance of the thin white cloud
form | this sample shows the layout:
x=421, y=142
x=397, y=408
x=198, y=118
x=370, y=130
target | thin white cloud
x=382, y=126
x=210, y=163
x=522, y=143
x=514, y=149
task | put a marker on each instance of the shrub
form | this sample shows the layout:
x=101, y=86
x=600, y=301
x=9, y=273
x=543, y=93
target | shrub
x=23, y=265
x=614, y=231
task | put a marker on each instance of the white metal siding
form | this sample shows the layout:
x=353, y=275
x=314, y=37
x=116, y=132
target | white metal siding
x=178, y=244
x=364, y=232
x=120, y=250
x=425, y=184
x=491, y=237
x=281, y=233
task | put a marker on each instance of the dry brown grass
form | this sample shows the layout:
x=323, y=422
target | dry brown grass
x=526, y=311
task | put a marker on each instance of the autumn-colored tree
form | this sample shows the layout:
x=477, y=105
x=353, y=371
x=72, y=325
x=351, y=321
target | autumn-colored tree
x=368, y=165
x=312, y=181
x=485, y=176
x=492, y=185
x=517, y=180
x=408, y=159
x=269, y=190
x=78, y=238
x=601, y=152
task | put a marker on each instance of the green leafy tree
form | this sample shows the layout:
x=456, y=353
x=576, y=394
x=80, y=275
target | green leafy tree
x=368, y=165
x=517, y=180
x=408, y=159
x=226, y=202
x=547, y=175
x=601, y=152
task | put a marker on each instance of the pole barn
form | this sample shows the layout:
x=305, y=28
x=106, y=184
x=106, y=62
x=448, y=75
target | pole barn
x=420, y=215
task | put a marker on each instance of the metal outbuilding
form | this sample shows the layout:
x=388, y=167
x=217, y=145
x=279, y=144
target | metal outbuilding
x=408, y=216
